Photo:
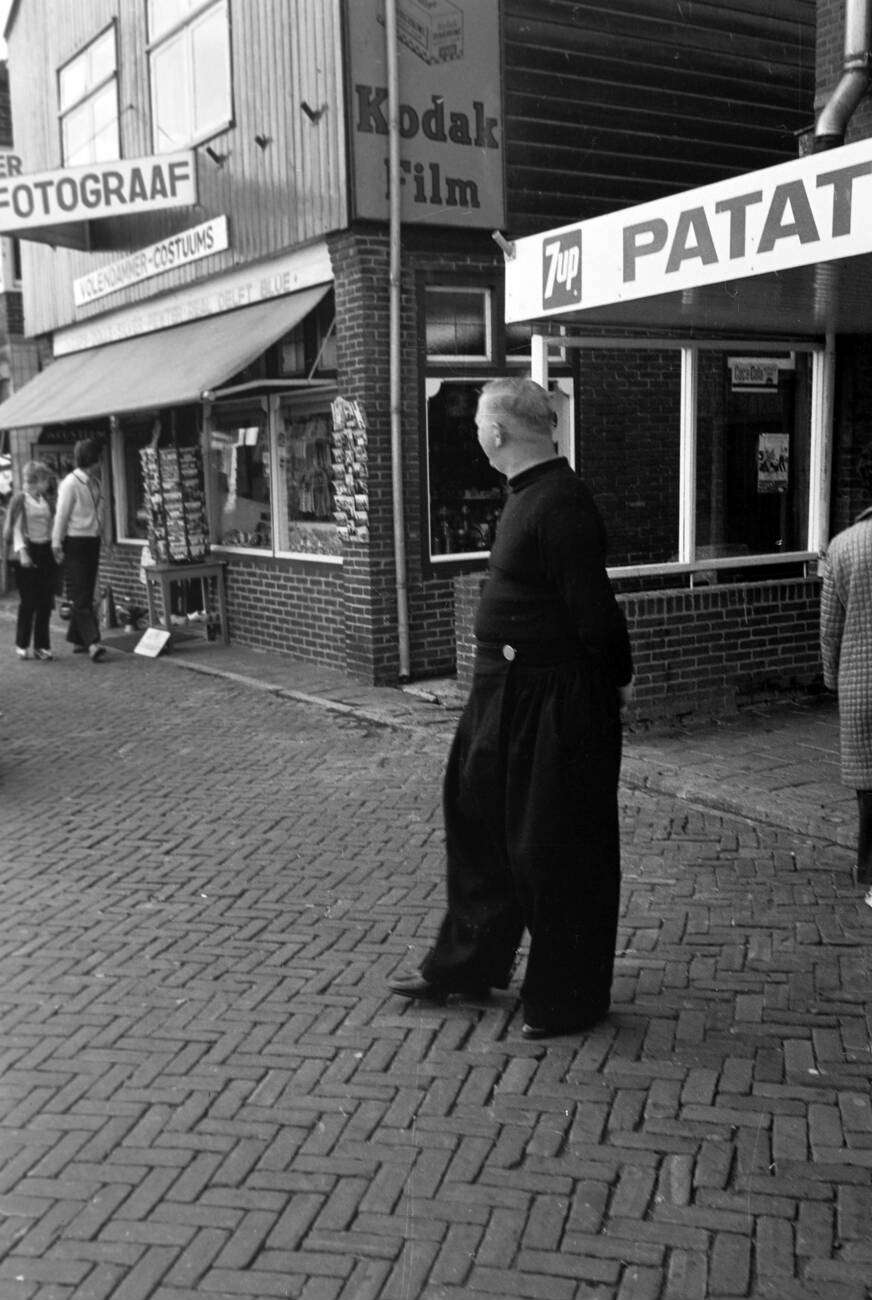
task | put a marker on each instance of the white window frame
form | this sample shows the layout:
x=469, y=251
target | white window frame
x=92, y=89
x=183, y=30
x=823, y=369
x=465, y=358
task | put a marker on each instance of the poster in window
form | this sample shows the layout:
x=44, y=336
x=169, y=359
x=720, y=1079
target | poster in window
x=773, y=462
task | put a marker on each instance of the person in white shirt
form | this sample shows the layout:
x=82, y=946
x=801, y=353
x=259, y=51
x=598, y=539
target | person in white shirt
x=30, y=525
x=76, y=544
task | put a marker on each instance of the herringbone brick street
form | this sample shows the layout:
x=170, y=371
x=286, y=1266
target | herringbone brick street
x=207, y=1090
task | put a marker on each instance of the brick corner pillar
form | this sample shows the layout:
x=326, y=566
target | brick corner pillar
x=360, y=258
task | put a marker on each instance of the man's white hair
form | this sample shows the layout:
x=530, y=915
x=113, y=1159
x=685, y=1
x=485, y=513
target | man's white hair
x=522, y=401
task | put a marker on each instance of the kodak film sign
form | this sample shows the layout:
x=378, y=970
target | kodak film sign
x=813, y=209
x=125, y=187
x=449, y=111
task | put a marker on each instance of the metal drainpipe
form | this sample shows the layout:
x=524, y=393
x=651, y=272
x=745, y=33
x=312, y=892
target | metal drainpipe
x=395, y=355
x=829, y=131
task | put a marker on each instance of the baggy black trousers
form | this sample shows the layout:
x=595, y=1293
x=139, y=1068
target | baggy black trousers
x=532, y=837
x=81, y=566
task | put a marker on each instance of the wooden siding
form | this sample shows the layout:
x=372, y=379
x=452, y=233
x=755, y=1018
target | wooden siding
x=285, y=53
x=641, y=98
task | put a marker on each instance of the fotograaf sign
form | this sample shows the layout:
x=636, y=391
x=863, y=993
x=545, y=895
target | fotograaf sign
x=450, y=111
x=125, y=187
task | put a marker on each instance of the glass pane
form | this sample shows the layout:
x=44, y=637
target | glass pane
x=72, y=81
x=172, y=127
x=164, y=14
x=466, y=494
x=102, y=63
x=629, y=422
x=240, y=466
x=305, y=466
x=210, y=71
x=753, y=440
x=76, y=131
x=105, y=124
x=456, y=323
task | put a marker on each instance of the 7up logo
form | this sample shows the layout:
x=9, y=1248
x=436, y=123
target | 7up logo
x=561, y=270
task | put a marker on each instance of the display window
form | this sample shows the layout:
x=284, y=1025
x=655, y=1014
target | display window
x=129, y=435
x=629, y=418
x=752, y=459
x=304, y=481
x=239, y=454
x=272, y=487
x=707, y=458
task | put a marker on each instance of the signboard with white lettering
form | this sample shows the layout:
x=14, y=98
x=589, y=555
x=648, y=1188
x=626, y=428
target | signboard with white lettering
x=812, y=209
x=450, y=111
x=125, y=187
x=187, y=246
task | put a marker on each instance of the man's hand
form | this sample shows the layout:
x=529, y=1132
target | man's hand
x=58, y=553
x=625, y=695
x=24, y=558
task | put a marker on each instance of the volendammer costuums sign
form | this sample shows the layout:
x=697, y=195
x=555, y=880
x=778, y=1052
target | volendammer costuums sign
x=450, y=111
x=124, y=187
x=177, y=250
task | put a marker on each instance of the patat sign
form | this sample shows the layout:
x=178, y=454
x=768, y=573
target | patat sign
x=813, y=209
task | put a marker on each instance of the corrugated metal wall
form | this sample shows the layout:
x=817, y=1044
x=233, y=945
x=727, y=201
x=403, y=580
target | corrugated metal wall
x=613, y=103
x=285, y=53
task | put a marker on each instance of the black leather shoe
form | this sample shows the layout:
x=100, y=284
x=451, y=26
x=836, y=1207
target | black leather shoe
x=555, y=1029
x=415, y=985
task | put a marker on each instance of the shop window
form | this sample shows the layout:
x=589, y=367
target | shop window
x=304, y=482
x=458, y=324
x=629, y=416
x=240, y=462
x=465, y=493
x=706, y=459
x=189, y=65
x=752, y=453
x=88, y=103
x=274, y=493
x=129, y=434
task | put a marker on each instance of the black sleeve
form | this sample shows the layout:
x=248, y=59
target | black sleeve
x=572, y=542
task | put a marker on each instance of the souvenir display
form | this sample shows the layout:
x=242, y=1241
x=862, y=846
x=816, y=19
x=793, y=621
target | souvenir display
x=176, y=504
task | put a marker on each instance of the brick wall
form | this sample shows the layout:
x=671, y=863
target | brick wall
x=705, y=651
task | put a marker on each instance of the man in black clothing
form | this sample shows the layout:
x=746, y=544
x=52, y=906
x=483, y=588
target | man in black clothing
x=530, y=790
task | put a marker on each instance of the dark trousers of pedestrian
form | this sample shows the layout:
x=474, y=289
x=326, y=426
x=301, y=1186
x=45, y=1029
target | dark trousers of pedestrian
x=81, y=563
x=36, y=588
x=864, y=837
x=532, y=838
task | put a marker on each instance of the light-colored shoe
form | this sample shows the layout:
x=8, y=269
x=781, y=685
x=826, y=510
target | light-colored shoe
x=97, y=652
x=43, y=654
x=22, y=654
x=867, y=898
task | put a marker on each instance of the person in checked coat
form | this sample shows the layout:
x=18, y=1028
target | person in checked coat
x=846, y=650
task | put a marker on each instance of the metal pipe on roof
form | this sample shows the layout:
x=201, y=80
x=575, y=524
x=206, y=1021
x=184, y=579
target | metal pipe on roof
x=829, y=131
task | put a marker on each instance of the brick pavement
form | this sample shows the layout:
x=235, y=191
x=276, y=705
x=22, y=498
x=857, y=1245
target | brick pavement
x=207, y=1092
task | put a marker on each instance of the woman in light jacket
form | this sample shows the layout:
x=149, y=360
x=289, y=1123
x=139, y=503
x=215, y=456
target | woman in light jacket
x=76, y=545
x=846, y=650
